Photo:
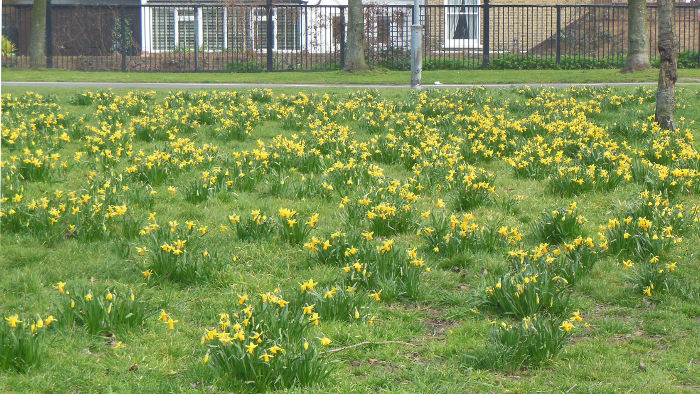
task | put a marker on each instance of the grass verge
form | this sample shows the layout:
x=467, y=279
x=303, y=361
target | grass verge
x=339, y=77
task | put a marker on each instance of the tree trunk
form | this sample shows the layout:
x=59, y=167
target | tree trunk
x=37, y=35
x=668, y=54
x=638, y=37
x=355, y=49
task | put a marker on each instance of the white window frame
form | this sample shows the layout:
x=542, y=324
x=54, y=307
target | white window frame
x=225, y=29
x=148, y=34
x=462, y=43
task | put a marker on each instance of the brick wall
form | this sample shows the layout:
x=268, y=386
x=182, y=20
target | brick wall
x=526, y=27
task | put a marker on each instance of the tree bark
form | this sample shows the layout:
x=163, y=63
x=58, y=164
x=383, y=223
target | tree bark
x=355, y=49
x=37, y=35
x=668, y=54
x=638, y=37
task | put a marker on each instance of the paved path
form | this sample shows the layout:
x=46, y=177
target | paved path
x=179, y=85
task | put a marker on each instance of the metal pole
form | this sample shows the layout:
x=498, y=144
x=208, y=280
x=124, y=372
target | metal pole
x=270, y=36
x=342, y=37
x=416, y=47
x=558, y=34
x=49, y=35
x=196, y=39
x=487, y=32
x=122, y=38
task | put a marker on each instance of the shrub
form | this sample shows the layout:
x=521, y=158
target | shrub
x=519, y=62
x=686, y=59
x=8, y=47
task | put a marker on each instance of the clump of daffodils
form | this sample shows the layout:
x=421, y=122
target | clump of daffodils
x=268, y=343
x=100, y=310
x=650, y=276
x=559, y=225
x=177, y=252
x=22, y=341
x=292, y=228
x=531, y=341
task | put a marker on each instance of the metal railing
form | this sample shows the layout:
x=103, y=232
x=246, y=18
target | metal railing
x=275, y=37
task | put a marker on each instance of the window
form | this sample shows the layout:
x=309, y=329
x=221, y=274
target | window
x=218, y=28
x=462, y=24
x=212, y=19
x=388, y=27
x=259, y=29
x=288, y=21
x=163, y=35
x=237, y=20
x=287, y=29
x=184, y=28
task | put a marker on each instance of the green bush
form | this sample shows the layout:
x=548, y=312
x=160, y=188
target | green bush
x=249, y=66
x=8, y=47
x=686, y=59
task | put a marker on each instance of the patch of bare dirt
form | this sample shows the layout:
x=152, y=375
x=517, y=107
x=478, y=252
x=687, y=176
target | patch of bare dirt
x=435, y=325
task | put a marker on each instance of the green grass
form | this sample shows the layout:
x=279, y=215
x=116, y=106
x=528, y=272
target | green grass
x=339, y=77
x=632, y=343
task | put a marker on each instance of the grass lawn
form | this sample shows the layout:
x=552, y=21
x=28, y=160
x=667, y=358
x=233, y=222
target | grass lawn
x=370, y=77
x=340, y=240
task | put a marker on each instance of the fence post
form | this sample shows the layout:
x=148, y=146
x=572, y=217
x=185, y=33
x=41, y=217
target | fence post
x=49, y=36
x=558, y=34
x=342, y=37
x=487, y=34
x=196, y=39
x=122, y=38
x=270, y=36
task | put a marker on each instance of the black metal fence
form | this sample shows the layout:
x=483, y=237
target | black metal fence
x=275, y=37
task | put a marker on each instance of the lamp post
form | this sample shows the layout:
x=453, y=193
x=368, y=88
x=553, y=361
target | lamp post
x=416, y=47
